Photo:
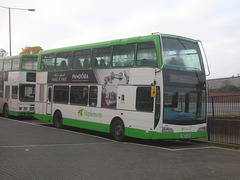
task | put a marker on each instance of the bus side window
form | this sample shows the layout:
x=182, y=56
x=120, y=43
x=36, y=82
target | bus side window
x=47, y=62
x=63, y=60
x=7, y=65
x=81, y=59
x=50, y=94
x=41, y=92
x=157, y=107
x=146, y=54
x=60, y=94
x=93, y=94
x=14, y=92
x=123, y=55
x=144, y=101
x=7, y=92
x=101, y=57
x=1, y=66
x=79, y=95
x=29, y=63
x=15, y=64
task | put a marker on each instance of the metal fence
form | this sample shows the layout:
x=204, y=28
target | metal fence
x=224, y=130
x=222, y=106
x=224, y=119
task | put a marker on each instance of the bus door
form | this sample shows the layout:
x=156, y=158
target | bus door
x=49, y=100
x=13, y=99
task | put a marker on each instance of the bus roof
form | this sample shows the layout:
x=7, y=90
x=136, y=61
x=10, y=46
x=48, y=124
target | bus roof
x=152, y=37
x=19, y=56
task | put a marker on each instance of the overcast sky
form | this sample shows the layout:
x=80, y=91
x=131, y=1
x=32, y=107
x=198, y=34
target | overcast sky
x=61, y=23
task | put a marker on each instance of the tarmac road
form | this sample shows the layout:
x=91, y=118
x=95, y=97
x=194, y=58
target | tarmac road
x=31, y=149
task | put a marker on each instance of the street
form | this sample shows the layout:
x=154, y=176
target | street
x=31, y=149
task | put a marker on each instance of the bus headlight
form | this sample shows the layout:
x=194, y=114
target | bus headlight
x=202, y=129
x=167, y=129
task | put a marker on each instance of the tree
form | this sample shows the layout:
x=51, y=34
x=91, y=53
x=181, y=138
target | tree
x=3, y=53
x=229, y=88
x=31, y=50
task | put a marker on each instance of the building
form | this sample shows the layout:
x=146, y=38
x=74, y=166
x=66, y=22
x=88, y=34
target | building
x=213, y=85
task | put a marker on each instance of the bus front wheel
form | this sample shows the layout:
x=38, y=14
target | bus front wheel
x=5, y=110
x=118, y=130
x=57, y=119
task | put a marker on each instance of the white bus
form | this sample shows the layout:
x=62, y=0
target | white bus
x=17, y=85
x=150, y=87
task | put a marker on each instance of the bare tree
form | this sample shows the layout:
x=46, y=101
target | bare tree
x=3, y=53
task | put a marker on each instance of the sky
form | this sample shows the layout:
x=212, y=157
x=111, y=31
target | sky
x=62, y=23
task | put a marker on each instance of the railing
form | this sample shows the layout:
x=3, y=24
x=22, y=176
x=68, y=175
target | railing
x=222, y=106
x=224, y=130
x=224, y=119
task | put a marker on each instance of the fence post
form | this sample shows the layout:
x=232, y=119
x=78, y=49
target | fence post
x=208, y=128
x=212, y=106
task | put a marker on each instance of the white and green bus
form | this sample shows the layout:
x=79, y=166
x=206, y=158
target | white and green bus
x=17, y=85
x=150, y=87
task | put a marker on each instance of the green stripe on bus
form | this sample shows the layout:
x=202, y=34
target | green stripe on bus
x=86, y=125
x=15, y=113
x=130, y=132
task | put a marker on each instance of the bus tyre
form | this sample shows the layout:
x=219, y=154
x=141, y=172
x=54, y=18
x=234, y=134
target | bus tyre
x=5, y=110
x=57, y=120
x=118, y=130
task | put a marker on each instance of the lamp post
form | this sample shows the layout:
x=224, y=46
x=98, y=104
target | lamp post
x=9, y=10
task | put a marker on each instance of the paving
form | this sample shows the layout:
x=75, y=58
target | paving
x=31, y=149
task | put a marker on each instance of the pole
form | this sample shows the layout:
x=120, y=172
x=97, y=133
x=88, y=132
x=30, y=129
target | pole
x=213, y=114
x=10, y=38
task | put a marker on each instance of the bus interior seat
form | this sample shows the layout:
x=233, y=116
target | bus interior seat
x=95, y=63
x=119, y=63
x=128, y=63
x=63, y=65
x=144, y=62
x=86, y=63
x=77, y=64
x=102, y=63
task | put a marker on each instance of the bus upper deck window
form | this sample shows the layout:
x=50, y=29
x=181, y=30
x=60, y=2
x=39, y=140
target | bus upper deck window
x=63, y=60
x=47, y=62
x=15, y=64
x=123, y=55
x=7, y=65
x=101, y=57
x=181, y=54
x=146, y=54
x=81, y=59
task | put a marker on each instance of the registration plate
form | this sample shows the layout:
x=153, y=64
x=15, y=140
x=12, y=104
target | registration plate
x=185, y=135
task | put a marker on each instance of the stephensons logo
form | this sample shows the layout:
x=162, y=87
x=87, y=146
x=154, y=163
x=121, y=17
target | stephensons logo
x=85, y=113
x=80, y=112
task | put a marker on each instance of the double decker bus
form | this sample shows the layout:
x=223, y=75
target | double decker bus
x=150, y=87
x=17, y=85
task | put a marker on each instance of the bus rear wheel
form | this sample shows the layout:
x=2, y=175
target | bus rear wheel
x=57, y=119
x=118, y=130
x=5, y=111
